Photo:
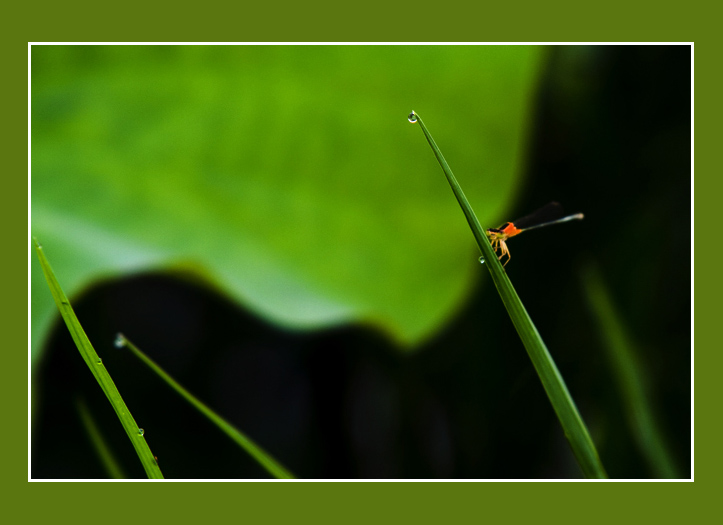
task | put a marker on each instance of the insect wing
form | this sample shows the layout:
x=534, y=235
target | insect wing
x=548, y=213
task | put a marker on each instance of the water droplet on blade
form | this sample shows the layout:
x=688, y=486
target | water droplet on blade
x=412, y=117
x=482, y=260
x=141, y=431
x=99, y=361
x=120, y=341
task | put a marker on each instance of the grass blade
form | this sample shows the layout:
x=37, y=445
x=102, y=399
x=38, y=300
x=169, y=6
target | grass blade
x=265, y=460
x=99, y=444
x=563, y=404
x=97, y=368
x=630, y=374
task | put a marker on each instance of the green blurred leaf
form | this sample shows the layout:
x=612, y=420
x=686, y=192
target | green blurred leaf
x=286, y=176
x=632, y=376
x=98, y=441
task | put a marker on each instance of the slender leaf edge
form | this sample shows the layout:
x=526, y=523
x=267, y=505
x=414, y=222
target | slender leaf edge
x=271, y=465
x=626, y=362
x=97, y=368
x=570, y=419
x=101, y=446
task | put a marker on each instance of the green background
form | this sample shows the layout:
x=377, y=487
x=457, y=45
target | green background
x=285, y=175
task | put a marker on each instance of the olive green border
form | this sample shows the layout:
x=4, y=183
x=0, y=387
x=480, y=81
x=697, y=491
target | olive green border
x=299, y=21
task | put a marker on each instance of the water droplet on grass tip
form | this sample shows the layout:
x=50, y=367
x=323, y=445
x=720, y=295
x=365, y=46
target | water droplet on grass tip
x=141, y=431
x=482, y=260
x=120, y=341
x=412, y=117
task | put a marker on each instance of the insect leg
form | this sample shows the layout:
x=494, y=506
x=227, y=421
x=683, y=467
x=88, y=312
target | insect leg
x=505, y=251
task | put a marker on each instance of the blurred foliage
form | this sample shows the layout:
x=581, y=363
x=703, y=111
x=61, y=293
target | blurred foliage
x=631, y=377
x=287, y=176
x=608, y=134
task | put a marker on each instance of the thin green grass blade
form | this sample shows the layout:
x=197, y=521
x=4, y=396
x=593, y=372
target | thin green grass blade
x=97, y=368
x=98, y=441
x=631, y=378
x=570, y=419
x=265, y=460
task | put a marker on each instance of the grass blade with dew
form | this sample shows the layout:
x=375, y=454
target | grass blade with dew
x=572, y=424
x=272, y=466
x=623, y=355
x=97, y=368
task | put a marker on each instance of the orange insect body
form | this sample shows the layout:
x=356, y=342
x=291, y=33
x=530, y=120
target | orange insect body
x=509, y=230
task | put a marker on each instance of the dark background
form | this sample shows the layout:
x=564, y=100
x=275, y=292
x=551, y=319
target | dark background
x=611, y=134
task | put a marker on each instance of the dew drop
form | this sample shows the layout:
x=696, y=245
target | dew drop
x=120, y=341
x=141, y=431
x=99, y=361
x=481, y=260
x=412, y=117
